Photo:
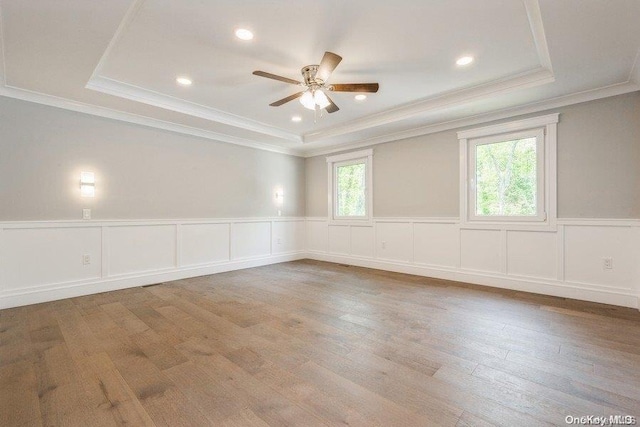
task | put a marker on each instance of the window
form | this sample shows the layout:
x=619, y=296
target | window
x=508, y=172
x=505, y=175
x=351, y=189
x=350, y=186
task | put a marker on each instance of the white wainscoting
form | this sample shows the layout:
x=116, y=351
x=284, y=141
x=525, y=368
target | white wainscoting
x=141, y=248
x=44, y=261
x=566, y=262
x=204, y=243
x=250, y=240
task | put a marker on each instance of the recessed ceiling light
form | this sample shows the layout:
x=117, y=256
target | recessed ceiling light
x=360, y=97
x=296, y=119
x=244, y=34
x=184, y=81
x=465, y=60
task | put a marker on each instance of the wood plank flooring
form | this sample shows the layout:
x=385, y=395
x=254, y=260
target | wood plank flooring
x=316, y=344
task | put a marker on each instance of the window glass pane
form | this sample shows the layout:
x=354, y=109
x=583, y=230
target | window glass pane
x=351, y=189
x=506, y=175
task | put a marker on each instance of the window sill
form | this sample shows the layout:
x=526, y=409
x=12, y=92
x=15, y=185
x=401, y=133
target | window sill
x=510, y=225
x=352, y=222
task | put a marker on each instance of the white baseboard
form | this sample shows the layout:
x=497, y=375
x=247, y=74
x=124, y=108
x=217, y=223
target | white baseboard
x=39, y=294
x=47, y=293
x=543, y=287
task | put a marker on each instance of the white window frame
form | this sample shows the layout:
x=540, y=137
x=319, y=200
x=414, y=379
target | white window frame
x=544, y=128
x=356, y=157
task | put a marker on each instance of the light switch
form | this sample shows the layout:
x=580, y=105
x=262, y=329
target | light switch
x=86, y=213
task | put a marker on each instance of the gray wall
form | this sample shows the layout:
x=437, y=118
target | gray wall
x=598, y=167
x=411, y=178
x=141, y=173
x=146, y=173
x=599, y=159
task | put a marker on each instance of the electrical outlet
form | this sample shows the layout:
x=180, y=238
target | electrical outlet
x=279, y=240
x=279, y=212
x=607, y=263
x=86, y=213
x=86, y=259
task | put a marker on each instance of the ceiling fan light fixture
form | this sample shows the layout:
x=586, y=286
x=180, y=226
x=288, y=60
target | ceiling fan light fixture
x=308, y=101
x=313, y=96
x=321, y=99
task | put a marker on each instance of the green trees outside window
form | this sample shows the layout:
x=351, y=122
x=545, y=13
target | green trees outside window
x=506, y=175
x=350, y=190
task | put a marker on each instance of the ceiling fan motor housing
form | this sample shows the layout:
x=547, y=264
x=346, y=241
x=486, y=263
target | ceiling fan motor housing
x=309, y=74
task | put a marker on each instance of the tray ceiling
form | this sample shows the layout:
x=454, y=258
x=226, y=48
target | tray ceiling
x=120, y=59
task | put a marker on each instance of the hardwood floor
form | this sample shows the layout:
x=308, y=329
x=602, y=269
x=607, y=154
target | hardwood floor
x=309, y=343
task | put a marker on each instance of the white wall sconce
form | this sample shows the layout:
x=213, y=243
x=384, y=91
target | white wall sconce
x=279, y=200
x=87, y=184
x=279, y=197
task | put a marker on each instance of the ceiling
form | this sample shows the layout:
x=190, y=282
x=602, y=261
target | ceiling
x=120, y=59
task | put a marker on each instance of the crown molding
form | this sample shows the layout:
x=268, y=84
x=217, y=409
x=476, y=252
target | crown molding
x=457, y=97
x=67, y=104
x=507, y=113
x=129, y=16
x=537, y=30
x=156, y=99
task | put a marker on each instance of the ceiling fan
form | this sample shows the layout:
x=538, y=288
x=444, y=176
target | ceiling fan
x=315, y=77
